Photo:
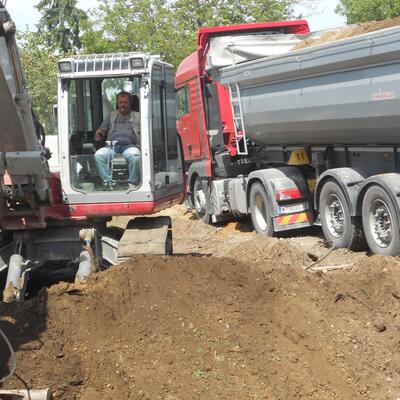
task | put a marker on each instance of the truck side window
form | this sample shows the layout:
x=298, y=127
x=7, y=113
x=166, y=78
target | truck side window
x=182, y=101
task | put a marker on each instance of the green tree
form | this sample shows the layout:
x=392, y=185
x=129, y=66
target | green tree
x=136, y=25
x=61, y=24
x=40, y=67
x=58, y=34
x=357, y=11
x=168, y=27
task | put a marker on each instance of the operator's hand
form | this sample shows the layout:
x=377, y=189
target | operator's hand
x=99, y=135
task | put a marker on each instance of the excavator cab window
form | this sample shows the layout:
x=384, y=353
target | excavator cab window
x=90, y=101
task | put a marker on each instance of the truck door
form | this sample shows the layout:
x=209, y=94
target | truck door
x=189, y=118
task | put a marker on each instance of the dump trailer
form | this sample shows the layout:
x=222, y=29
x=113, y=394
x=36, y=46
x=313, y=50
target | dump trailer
x=56, y=219
x=317, y=142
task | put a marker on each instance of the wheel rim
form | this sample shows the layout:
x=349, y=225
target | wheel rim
x=259, y=212
x=335, y=216
x=380, y=223
x=199, y=199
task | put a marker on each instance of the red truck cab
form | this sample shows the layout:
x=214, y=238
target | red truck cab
x=204, y=113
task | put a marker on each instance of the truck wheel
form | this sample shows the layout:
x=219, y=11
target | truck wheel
x=380, y=222
x=200, y=201
x=339, y=227
x=259, y=210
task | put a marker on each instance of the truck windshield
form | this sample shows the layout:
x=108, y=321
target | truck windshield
x=100, y=163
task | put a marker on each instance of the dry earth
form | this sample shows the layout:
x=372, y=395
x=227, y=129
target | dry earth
x=231, y=316
x=352, y=30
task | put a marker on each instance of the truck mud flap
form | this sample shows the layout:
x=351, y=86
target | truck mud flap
x=293, y=221
x=146, y=235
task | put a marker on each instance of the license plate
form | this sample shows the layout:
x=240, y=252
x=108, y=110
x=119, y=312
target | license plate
x=292, y=209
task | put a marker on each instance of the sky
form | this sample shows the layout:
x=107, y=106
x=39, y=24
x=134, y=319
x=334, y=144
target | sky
x=24, y=13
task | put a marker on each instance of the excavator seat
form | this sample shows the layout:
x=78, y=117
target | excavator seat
x=120, y=169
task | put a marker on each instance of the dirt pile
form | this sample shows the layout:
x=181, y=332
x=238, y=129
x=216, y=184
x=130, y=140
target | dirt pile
x=350, y=31
x=200, y=327
x=251, y=326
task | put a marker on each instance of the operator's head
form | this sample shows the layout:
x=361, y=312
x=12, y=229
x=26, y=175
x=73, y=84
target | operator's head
x=124, y=102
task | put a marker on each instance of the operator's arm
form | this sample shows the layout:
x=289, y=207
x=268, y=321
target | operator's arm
x=101, y=133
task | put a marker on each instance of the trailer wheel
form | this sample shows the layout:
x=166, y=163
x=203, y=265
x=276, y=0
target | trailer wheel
x=201, y=200
x=259, y=210
x=380, y=222
x=339, y=227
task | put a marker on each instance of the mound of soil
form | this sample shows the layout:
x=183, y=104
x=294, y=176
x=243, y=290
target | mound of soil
x=349, y=31
x=201, y=325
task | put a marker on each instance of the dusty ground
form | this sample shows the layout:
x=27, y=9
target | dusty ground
x=231, y=316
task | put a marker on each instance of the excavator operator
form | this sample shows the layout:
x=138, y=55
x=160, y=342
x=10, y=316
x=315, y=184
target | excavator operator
x=121, y=130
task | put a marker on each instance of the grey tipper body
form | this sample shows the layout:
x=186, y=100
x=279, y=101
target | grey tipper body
x=121, y=128
x=345, y=92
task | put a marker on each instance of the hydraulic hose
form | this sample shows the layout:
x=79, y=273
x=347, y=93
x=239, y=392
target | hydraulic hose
x=13, y=358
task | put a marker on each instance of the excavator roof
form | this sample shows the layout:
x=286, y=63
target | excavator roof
x=99, y=64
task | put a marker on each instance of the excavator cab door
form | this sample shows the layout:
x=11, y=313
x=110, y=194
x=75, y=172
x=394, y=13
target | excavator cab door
x=87, y=103
x=166, y=163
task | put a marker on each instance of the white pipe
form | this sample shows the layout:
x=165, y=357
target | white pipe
x=85, y=267
x=34, y=394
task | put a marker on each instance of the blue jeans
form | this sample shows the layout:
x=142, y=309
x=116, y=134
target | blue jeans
x=105, y=154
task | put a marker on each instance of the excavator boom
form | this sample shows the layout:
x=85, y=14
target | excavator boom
x=21, y=153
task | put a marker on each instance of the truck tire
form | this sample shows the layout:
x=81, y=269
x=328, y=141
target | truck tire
x=259, y=210
x=338, y=226
x=201, y=201
x=380, y=222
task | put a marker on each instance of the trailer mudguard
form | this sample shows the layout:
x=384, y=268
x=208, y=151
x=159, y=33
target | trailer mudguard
x=389, y=182
x=290, y=177
x=349, y=180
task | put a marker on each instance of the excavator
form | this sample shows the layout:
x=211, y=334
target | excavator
x=59, y=216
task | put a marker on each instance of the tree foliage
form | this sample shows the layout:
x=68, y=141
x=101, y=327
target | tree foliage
x=357, y=11
x=58, y=34
x=40, y=67
x=61, y=24
x=165, y=27
x=168, y=27
x=40, y=70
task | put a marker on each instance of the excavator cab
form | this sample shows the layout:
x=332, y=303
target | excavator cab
x=87, y=94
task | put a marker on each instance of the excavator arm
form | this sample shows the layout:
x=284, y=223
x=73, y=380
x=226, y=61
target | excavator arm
x=23, y=165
